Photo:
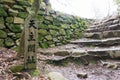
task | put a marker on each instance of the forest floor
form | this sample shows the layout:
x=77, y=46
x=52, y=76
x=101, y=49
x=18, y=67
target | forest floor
x=70, y=71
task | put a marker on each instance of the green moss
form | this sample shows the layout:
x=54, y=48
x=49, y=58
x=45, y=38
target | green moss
x=2, y=12
x=65, y=26
x=40, y=37
x=9, y=42
x=48, y=37
x=7, y=1
x=39, y=17
x=22, y=14
x=53, y=32
x=9, y=19
x=48, y=18
x=17, y=68
x=1, y=42
x=3, y=34
x=42, y=32
x=24, y=3
x=18, y=7
x=35, y=73
x=62, y=31
x=56, y=23
x=41, y=13
x=44, y=45
x=42, y=26
x=16, y=48
x=2, y=26
x=18, y=35
x=15, y=28
x=53, y=27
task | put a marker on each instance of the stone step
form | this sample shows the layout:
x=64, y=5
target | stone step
x=104, y=28
x=104, y=34
x=60, y=54
x=113, y=52
x=97, y=42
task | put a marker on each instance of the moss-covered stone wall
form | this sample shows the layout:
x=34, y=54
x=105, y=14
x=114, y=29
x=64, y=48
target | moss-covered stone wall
x=55, y=28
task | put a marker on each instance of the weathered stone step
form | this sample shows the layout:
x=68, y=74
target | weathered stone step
x=97, y=42
x=104, y=34
x=113, y=52
x=105, y=28
x=114, y=22
x=60, y=54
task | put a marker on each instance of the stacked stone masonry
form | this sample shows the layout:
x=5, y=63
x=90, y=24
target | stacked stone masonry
x=54, y=28
x=99, y=41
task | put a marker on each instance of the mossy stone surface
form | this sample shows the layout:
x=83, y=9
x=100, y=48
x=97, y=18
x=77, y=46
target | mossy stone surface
x=9, y=19
x=15, y=28
x=22, y=14
x=13, y=12
x=42, y=26
x=17, y=68
x=43, y=32
x=16, y=48
x=39, y=17
x=3, y=13
x=1, y=42
x=3, y=34
x=2, y=26
x=48, y=37
x=62, y=31
x=24, y=3
x=18, y=7
x=53, y=32
x=44, y=45
x=9, y=42
x=18, y=35
x=7, y=1
x=40, y=37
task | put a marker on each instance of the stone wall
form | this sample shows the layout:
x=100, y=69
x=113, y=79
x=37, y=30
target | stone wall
x=55, y=28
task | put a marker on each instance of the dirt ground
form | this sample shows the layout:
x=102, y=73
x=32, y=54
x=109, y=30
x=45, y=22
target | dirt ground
x=70, y=71
x=94, y=71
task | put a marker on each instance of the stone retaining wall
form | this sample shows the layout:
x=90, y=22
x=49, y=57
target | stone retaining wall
x=55, y=28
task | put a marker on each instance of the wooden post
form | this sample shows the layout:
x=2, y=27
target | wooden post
x=28, y=45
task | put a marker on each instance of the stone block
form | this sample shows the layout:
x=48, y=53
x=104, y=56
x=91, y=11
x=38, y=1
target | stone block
x=56, y=76
x=22, y=15
x=13, y=12
x=3, y=34
x=2, y=26
x=3, y=13
x=18, y=20
x=7, y=1
x=44, y=45
x=48, y=37
x=15, y=28
x=18, y=7
x=24, y=3
x=1, y=42
x=9, y=19
x=43, y=32
x=9, y=42
x=62, y=31
x=53, y=32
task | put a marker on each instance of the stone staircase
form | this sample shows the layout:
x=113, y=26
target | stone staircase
x=100, y=40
